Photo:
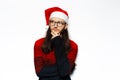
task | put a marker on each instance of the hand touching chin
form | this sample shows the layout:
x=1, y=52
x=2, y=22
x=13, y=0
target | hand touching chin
x=55, y=33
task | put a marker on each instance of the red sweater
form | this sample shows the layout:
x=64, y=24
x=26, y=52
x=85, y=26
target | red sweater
x=41, y=59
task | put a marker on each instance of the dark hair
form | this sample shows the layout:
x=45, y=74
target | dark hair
x=46, y=47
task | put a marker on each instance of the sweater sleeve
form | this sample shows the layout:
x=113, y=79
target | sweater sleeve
x=48, y=71
x=72, y=55
x=62, y=62
x=38, y=60
x=42, y=70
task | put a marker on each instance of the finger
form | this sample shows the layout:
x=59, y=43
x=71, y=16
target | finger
x=53, y=33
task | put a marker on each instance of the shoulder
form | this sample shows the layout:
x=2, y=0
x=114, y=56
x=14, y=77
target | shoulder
x=39, y=42
x=73, y=50
x=73, y=44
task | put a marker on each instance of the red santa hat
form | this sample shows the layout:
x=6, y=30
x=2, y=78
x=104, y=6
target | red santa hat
x=56, y=12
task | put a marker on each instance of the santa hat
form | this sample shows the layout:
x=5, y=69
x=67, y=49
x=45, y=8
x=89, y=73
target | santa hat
x=56, y=12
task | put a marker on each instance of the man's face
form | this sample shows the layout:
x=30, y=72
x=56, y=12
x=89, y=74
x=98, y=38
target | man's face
x=57, y=24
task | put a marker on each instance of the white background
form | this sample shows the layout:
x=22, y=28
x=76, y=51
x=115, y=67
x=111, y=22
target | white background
x=94, y=26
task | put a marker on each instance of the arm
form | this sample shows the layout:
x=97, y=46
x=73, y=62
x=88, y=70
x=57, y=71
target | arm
x=48, y=71
x=41, y=68
x=62, y=62
x=72, y=55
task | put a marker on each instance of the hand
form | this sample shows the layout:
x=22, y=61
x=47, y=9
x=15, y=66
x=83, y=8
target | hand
x=54, y=34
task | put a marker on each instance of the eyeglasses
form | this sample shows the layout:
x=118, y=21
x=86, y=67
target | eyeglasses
x=58, y=23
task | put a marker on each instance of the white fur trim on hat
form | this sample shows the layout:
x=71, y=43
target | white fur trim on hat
x=59, y=15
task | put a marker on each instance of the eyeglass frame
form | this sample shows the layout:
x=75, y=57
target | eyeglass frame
x=59, y=23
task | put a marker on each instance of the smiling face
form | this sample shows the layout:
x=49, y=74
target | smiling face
x=57, y=24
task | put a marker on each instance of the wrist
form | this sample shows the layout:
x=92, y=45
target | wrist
x=57, y=41
x=55, y=36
